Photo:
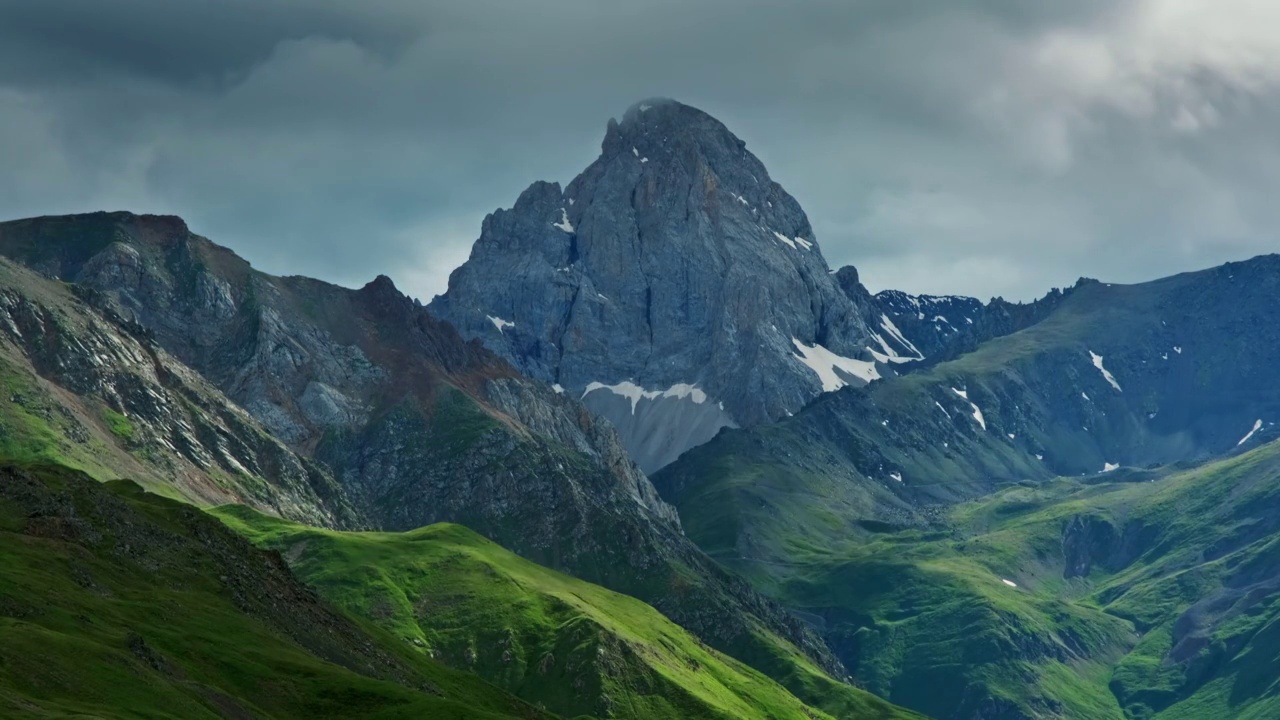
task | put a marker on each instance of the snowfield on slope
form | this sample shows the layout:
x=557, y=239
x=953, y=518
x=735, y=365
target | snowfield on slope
x=1097, y=362
x=977, y=412
x=499, y=323
x=1257, y=425
x=635, y=393
x=824, y=364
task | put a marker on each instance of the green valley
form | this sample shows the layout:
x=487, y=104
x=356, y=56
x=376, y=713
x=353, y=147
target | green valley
x=1137, y=594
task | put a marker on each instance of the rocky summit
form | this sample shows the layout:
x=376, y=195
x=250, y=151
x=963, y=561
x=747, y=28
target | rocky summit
x=673, y=286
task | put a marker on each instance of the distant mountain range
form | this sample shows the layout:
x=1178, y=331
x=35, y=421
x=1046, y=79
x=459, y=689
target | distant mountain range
x=651, y=380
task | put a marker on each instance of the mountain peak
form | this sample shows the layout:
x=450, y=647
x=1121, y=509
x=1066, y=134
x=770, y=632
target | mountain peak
x=381, y=285
x=667, y=113
x=659, y=129
x=670, y=284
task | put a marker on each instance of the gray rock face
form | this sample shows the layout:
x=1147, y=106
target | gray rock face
x=672, y=260
x=113, y=401
x=658, y=425
x=562, y=421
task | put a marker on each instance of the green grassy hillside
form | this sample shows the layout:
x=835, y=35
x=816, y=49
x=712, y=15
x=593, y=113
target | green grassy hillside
x=890, y=512
x=1152, y=594
x=561, y=643
x=116, y=603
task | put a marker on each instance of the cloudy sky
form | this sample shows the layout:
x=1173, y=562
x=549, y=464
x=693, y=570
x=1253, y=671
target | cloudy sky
x=977, y=146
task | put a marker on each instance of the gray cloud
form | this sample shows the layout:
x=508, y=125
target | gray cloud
x=984, y=147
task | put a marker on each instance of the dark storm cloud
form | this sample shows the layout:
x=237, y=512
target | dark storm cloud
x=983, y=147
x=177, y=40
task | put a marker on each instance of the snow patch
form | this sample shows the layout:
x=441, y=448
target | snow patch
x=824, y=364
x=685, y=390
x=1097, y=362
x=645, y=108
x=564, y=223
x=1039, y=456
x=1257, y=425
x=891, y=355
x=626, y=389
x=558, y=388
x=896, y=476
x=793, y=242
x=893, y=330
x=1010, y=583
x=635, y=393
x=1177, y=349
x=944, y=410
x=501, y=324
x=1108, y=467
x=977, y=412
x=635, y=152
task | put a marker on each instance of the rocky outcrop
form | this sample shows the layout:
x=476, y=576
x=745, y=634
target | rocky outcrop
x=915, y=331
x=318, y=364
x=99, y=388
x=672, y=285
